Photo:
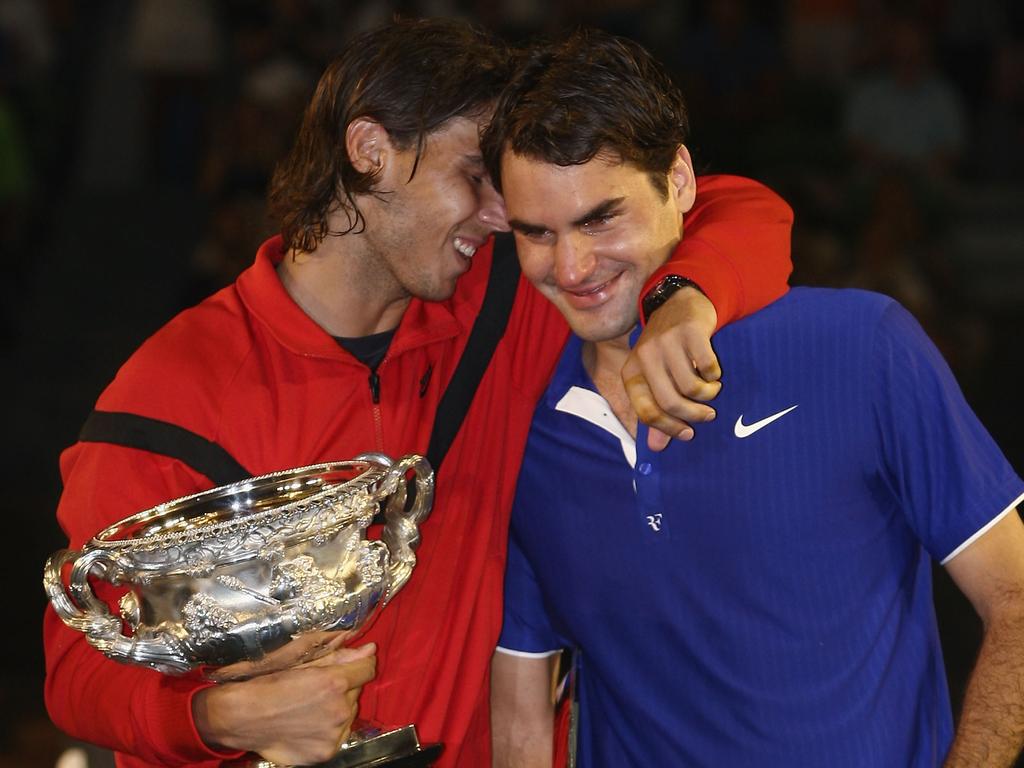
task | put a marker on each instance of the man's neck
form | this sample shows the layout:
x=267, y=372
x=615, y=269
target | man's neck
x=603, y=361
x=343, y=289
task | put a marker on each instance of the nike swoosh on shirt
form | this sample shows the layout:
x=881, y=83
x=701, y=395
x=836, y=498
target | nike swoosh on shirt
x=746, y=430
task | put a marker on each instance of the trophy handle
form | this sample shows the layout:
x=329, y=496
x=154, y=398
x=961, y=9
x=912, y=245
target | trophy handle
x=80, y=609
x=77, y=605
x=401, y=526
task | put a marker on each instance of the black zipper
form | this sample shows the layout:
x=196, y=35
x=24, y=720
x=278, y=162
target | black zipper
x=375, y=387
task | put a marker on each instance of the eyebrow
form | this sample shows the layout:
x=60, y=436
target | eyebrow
x=601, y=209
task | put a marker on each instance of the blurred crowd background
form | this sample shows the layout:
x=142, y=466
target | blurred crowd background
x=137, y=138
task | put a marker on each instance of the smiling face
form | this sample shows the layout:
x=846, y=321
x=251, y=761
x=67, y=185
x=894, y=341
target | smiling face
x=425, y=229
x=589, y=236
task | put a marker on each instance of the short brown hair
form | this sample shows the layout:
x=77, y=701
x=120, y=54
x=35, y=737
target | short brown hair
x=589, y=94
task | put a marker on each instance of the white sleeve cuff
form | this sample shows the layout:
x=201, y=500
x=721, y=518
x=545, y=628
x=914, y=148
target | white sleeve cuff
x=528, y=654
x=983, y=530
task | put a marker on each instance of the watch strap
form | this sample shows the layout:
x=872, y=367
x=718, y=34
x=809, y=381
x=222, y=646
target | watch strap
x=662, y=291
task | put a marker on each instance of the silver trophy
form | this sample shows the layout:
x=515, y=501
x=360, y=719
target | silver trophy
x=233, y=573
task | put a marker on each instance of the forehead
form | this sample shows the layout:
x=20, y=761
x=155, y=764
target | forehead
x=539, y=190
x=457, y=136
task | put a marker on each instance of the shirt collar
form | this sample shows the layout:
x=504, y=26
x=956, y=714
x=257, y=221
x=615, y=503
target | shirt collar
x=559, y=396
x=265, y=297
x=571, y=372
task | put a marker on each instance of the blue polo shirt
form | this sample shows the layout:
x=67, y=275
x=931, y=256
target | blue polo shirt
x=760, y=596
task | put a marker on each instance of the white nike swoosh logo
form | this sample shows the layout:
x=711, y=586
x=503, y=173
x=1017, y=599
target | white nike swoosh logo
x=746, y=430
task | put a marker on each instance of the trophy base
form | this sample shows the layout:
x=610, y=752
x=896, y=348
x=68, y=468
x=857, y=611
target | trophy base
x=372, y=748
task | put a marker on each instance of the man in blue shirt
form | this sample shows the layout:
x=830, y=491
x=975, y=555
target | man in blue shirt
x=760, y=596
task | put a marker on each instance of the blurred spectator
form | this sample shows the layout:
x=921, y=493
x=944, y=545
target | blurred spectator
x=890, y=250
x=15, y=162
x=731, y=73
x=822, y=39
x=27, y=32
x=999, y=153
x=968, y=33
x=25, y=57
x=820, y=258
x=517, y=19
x=177, y=48
x=252, y=130
x=900, y=254
x=236, y=227
x=907, y=115
x=905, y=128
x=656, y=24
x=272, y=76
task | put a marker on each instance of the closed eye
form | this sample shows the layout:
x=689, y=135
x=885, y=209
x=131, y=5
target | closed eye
x=538, y=235
x=598, y=223
x=530, y=231
x=475, y=171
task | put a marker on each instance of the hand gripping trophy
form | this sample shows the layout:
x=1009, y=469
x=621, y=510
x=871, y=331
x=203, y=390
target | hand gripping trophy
x=234, y=573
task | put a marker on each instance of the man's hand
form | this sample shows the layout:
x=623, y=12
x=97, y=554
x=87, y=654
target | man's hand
x=295, y=716
x=673, y=370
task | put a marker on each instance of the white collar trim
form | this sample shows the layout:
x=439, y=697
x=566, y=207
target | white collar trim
x=590, y=406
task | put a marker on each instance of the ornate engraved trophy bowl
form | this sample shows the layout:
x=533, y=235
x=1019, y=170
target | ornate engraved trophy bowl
x=233, y=573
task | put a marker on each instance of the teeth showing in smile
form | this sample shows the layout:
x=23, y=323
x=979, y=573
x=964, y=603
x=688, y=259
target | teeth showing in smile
x=589, y=291
x=466, y=249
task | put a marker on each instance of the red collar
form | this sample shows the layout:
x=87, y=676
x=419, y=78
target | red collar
x=265, y=297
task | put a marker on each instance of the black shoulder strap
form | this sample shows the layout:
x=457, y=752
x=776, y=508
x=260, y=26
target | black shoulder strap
x=487, y=332
x=155, y=436
x=210, y=459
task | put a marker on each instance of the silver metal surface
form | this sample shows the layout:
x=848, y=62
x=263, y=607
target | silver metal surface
x=370, y=748
x=235, y=572
x=367, y=747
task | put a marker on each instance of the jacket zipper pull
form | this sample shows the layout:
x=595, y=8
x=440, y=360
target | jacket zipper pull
x=375, y=387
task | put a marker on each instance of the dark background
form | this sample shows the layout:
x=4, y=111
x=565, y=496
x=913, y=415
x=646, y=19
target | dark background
x=136, y=139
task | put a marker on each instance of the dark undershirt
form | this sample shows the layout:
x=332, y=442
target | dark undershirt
x=369, y=350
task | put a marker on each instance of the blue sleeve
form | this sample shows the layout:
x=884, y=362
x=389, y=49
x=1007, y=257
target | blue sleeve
x=526, y=627
x=949, y=476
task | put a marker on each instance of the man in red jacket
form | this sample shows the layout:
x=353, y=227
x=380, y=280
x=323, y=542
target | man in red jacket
x=342, y=338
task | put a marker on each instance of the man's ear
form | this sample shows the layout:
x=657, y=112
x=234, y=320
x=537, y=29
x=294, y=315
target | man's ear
x=367, y=144
x=682, y=180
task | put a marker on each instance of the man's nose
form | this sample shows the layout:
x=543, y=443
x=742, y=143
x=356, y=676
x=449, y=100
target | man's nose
x=492, y=209
x=574, y=260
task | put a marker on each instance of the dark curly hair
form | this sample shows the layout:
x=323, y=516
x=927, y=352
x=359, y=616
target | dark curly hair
x=588, y=94
x=411, y=77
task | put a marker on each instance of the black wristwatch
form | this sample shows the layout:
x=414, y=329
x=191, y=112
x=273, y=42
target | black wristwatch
x=661, y=292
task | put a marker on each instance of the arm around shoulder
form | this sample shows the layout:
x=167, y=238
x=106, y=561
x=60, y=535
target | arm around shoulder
x=736, y=249
x=736, y=246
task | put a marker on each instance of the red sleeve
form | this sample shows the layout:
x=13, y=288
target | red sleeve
x=122, y=707
x=735, y=246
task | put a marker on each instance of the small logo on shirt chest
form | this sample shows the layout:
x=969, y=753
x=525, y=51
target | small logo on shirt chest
x=742, y=430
